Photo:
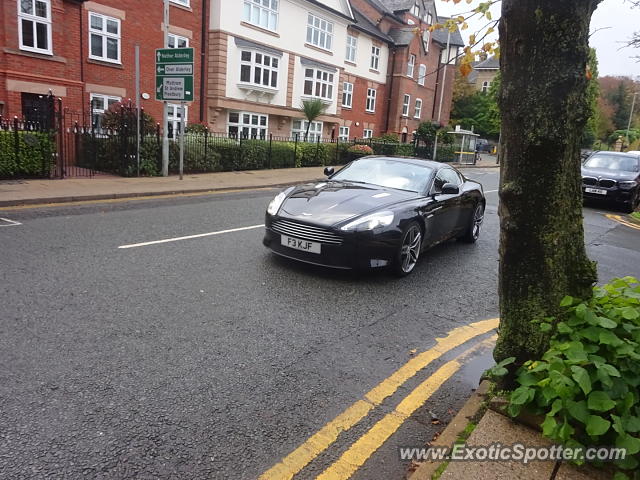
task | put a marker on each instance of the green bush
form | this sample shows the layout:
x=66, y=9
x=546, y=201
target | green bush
x=588, y=384
x=35, y=156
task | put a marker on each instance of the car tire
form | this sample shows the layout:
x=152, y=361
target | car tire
x=475, y=223
x=634, y=202
x=408, y=250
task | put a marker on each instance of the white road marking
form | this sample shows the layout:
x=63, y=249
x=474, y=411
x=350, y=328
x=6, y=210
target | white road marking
x=189, y=237
x=490, y=191
x=11, y=223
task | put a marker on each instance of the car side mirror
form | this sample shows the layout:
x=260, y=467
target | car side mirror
x=328, y=171
x=450, y=189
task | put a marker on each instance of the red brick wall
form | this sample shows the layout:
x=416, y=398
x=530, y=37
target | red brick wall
x=70, y=65
x=358, y=114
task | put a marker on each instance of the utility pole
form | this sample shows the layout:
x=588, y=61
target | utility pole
x=442, y=85
x=138, y=109
x=633, y=104
x=165, y=110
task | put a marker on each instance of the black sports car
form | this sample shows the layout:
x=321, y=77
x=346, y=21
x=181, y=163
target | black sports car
x=374, y=212
x=612, y=176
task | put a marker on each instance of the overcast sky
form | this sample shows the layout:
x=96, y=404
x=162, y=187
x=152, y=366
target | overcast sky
x=617, y=15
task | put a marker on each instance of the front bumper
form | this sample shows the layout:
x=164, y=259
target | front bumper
x=358, y=250
x=614, y=194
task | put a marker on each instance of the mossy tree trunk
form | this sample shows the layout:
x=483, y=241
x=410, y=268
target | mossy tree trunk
x=544, y=53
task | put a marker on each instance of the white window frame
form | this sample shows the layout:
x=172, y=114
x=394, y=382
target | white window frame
x=367, y=133
x=245, y=124
x=485, y=86
x=176, y=39
x=352, y=48
x=405, y=105
x=315, y=131
x=428, y=18
x=426, y=40
x=371, y=100
x=173, y=117
x=415, y=10
x=34, y=19
x=105, y=35
x=422, y=74
x=347, y=95
x=375, y=58
x=184, y=3
x=322, y=83
x=254, y=66
x=255, y=12
x=99, y=111
x=411, y=65
x=417, y=113
x=343, y=134
x=320, y=32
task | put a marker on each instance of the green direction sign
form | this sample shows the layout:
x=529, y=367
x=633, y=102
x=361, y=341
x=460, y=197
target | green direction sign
x=174, y=74
x=174, y=55
x=177, y=88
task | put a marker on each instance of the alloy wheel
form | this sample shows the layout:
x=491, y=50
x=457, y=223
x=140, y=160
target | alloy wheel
x=410, y=249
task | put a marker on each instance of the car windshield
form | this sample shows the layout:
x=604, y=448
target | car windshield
x=613, y=162
x=386, y=172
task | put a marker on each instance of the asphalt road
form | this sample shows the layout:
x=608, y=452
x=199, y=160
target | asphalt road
x=210, y=357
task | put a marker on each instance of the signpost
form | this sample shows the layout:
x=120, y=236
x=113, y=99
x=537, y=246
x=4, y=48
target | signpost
x=174, y=74
x=174, y=82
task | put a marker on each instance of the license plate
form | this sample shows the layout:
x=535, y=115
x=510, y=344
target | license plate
x=298, y=244
x=599, y=191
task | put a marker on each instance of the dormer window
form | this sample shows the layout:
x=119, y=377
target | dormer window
x=415, y=10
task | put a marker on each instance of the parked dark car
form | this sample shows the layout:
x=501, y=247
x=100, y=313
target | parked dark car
x=375, y=212
x=483, y=146
x=612, y=176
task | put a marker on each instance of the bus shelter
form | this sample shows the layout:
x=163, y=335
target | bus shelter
x=465, y=145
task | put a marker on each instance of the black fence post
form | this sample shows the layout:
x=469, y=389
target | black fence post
x=270, y=147
x=337, y=150
x=159, y=147
x=318, y=149
x=16, y=141
x=295, y=149
x=206, y=145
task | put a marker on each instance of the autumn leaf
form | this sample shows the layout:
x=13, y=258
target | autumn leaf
x=465, y=69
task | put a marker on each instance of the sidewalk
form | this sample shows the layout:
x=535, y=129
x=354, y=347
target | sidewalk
x=494, y=428
x=33, y=192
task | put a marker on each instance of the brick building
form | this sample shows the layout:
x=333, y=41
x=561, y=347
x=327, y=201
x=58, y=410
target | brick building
x=418, y=58
x=83, y=52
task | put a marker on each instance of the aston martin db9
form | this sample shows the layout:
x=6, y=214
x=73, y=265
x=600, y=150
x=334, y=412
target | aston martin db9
x=375, y=212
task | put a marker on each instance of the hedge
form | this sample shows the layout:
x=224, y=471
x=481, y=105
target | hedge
x=35, y=156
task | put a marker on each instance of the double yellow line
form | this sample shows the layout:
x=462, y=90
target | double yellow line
x=366, y=445
x=619, y=219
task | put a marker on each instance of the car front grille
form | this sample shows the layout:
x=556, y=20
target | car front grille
x=306, y=232
x=603, y=182
x=606, y=183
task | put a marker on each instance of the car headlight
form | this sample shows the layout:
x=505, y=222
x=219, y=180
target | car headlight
x=276, y=203
x=627, y=185
x=369, y=222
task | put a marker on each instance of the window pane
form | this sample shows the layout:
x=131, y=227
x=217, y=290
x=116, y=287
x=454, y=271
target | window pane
x=26, y=6
x=245, y=73
x=27, y=33
x=274, y=79
x=41, y=35
x=257, y=75
x=308, y=87
x=112, y=26
x=96, y=22
x=96, y=45
x=41, y=9
x=112, y=48
x=246, y=56
x=98, y=103
x=234, y=117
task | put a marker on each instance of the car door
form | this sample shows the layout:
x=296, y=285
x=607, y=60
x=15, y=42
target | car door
x=444, y=214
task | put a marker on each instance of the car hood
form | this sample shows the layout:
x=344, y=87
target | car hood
x=331, y=202
x=611, y=174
